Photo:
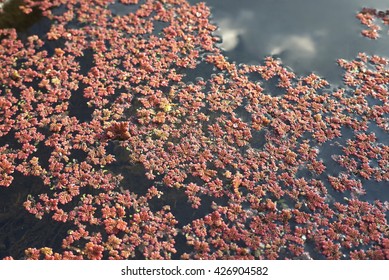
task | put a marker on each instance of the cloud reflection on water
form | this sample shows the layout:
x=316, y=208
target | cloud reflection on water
x=307, y=35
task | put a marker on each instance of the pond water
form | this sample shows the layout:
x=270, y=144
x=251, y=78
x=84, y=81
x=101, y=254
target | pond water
x=308, y=36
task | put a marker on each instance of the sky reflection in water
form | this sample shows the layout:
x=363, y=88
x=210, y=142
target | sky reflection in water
x=307, y=35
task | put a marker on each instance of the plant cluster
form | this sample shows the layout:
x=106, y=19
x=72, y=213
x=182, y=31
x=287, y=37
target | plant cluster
x=226, y=137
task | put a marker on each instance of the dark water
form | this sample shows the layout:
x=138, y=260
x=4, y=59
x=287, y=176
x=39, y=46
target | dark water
x=308, y=35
